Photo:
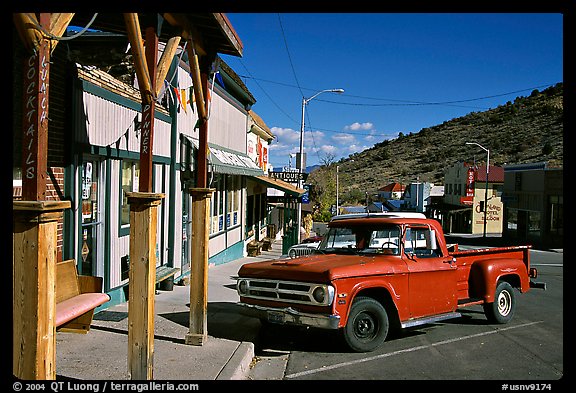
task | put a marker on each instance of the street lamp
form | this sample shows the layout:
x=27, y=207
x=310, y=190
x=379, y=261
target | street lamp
x=486, y=187
x=305, y=101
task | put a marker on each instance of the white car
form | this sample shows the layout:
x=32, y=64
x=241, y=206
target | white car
x=305, y=248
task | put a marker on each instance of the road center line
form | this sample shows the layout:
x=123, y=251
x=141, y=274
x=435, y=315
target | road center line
x=385, y=355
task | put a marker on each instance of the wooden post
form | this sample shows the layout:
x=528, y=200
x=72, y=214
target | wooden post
x=34, y=247
x=148, y=110
x=35, y=121
x=198, y=331
x=142, y=276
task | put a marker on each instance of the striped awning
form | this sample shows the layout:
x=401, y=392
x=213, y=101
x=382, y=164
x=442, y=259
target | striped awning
x=226, y=161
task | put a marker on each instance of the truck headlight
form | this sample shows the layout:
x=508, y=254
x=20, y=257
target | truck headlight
x=242, y=287
x=323, y=294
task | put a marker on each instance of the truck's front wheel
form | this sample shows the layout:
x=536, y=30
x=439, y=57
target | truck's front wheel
x=502, y=310
x=367, y=325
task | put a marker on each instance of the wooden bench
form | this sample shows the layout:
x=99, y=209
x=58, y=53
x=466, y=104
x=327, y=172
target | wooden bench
x=76, y=298
x=267, y=244
x=163, y=273
x=254, y=248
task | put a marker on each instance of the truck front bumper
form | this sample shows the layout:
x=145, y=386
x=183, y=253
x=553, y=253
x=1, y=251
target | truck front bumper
x=289, y=316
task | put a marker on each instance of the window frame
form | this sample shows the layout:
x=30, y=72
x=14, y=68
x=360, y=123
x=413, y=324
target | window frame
x=124, y=226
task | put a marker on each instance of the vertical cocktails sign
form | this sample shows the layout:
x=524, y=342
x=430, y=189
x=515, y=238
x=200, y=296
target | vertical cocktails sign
x=35, y=123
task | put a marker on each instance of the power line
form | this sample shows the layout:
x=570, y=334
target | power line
x=298, y=84
x=266, y=93
x=289, y=57
x=397, y=102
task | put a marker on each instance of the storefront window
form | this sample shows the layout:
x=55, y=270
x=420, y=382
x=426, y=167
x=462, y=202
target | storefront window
x=217, y=203
x=232, y=201
x=534, y=223
x=512, y=221
x=130, y=179
x=556, y=206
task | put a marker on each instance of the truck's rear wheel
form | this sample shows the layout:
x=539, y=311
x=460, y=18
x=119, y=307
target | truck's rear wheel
x=502, y=310
x=367, y=325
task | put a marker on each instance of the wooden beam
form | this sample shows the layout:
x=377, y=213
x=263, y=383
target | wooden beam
x=189, y=33
x=135, y=38
x=201, y=103
x=165, y=61
x=26, y=26
x=58, y=24
x=229, y=31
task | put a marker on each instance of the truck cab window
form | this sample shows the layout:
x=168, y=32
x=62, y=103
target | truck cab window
x=421, y=242
x=386, y=240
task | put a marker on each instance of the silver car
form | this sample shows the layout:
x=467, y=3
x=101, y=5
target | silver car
x=305, y=248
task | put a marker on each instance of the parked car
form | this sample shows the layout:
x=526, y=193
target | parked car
x=305, y=248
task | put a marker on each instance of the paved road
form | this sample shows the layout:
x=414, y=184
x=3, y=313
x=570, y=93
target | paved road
x=530, y=348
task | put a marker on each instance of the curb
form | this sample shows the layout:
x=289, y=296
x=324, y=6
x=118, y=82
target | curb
x=238, y=366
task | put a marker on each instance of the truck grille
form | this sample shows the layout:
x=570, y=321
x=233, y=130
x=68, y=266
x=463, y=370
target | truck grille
x=286, y=291
x=300, y=252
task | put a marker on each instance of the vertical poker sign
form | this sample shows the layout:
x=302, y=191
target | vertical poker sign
x=35, y=123
x=468, y=199
x=470, y=183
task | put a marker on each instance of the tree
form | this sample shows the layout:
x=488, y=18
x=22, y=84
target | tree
x=324, y=194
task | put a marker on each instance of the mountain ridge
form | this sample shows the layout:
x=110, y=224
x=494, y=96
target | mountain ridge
x=528, y=129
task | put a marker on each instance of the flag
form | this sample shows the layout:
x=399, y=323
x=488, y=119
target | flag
x=177, y=92
x=183, y=97
x=219, y=79
x=192, y=97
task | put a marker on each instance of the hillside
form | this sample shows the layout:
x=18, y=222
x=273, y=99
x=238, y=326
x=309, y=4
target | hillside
x=529, y=129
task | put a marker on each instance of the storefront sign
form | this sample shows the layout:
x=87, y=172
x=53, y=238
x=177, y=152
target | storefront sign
x=289, y=177
x=35, y=123
x=470, y=183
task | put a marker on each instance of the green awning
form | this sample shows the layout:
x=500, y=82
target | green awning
x=278, y=184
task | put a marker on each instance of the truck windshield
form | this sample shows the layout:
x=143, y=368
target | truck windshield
x=376, y=240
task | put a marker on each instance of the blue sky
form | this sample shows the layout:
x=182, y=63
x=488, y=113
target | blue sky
x=399, y=72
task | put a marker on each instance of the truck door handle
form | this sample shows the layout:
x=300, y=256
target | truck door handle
x=450, y=261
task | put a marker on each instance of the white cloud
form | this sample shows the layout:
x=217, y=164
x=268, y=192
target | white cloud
x=360, y=126
x=356, y=148
x=344, y=138
x=286, y=136
x=312, y=138
x=328, y=149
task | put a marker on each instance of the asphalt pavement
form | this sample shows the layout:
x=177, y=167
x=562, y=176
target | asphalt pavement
x=227, y=354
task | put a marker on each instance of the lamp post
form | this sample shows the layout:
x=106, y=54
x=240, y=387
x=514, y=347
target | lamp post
x=301, y=168
x=337, y=169
x=486, y=186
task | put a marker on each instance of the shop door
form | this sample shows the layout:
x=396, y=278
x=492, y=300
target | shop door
x=186, y=230
x=91, y=256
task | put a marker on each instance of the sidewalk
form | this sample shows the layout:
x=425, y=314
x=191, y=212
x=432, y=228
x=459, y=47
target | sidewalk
x=102, y=353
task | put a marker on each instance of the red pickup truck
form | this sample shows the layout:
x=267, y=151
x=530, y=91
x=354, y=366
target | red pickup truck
x=376, y=272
